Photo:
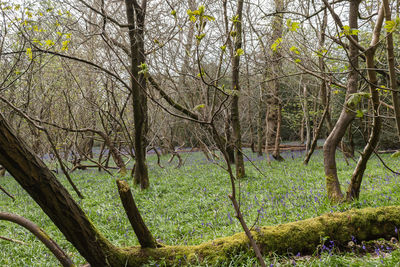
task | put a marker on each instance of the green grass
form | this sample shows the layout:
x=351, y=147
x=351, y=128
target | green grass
x=190, y=205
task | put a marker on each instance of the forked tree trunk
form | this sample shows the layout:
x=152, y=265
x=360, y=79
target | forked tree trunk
x=116, y=155
x=346, y=116
x=353, y=190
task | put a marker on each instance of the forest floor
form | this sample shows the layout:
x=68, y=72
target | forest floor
x=189, y=205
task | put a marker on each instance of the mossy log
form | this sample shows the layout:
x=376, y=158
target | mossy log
x=291, y=238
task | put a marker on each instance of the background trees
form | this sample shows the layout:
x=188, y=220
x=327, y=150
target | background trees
x=122, y=78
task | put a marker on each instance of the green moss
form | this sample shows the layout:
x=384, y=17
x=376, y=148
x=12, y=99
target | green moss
x=301, y=236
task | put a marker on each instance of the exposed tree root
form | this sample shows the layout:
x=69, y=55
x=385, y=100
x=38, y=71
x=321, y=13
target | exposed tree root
x=301, y=236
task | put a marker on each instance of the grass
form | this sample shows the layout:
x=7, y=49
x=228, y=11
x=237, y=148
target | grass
x=190, y=205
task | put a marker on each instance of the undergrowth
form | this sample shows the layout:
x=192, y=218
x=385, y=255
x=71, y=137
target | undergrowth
x=189, y=205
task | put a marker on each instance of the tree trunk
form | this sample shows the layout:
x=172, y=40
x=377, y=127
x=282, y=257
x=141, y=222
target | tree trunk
x=324, y=88
x=116, y=155
x=277, y=154
x=302, y=237
x=274, y=106
x=228, y=145
x=259, y=128
x=136, y=18
x=143, y=234
x=41, y=184
x=392, y=71
x=353, y=190
x=315, y=139
x=236, y=131
x=346, y=116
x=306, y=118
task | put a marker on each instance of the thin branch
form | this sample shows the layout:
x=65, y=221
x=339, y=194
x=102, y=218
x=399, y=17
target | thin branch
x=41, y=235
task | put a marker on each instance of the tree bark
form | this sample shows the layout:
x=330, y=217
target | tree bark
x=143, y=234
x=41, y=184
x=136, y=19
x=306, y=117
x=259, y=128
x=236, y=131
x=346, y=116
x=316, y=135
x=392, y=71
x=274, y=108
x=324, y=88
x=353, y=190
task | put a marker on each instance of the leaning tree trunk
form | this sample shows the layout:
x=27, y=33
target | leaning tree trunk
x=136, y=19
x=316, y=135
x=41, y=184
x=346, y=116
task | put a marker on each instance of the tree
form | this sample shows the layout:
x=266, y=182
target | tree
x=237, y=52
x=352, y=99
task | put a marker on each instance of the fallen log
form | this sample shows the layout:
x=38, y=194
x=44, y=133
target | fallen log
x=287, y=239
x=285, y=147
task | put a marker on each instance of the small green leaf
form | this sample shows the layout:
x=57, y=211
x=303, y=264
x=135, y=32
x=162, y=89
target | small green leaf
x=239, y=52
x=49, y=42
x=223, y=48
x=346, y=30
x=356, y=98
x=29, y=53
x=392, y=25
x=173, y=13
x=199, y=107
x=200, y=36
x=144, y=69
x=208, y=17
x=293, y=26
x=235, y=19
x=276, y=44
x=294, y=50
x=65, y=45
x=201, y=10
x=359, y=114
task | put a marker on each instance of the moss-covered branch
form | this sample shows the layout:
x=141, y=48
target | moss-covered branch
x=301, y=236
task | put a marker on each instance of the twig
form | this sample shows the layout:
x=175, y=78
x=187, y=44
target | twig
x=8, y=194
x=13, y=240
